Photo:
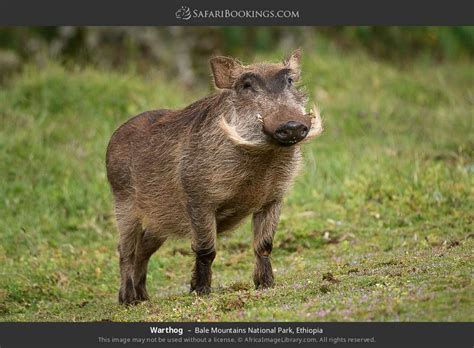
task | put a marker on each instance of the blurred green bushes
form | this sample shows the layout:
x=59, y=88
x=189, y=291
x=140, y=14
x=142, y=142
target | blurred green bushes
x=183, y=51
x=401, y=43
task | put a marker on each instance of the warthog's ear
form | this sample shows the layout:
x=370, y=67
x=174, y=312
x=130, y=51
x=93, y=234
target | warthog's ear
x=293, y=62
x=225, y=70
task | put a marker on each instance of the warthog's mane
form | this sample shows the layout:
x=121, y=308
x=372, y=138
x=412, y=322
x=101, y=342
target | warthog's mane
x=198, y=114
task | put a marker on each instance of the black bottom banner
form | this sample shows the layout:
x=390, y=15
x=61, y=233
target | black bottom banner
x=215, y=334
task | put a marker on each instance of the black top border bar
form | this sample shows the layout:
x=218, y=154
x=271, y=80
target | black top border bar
x=242, y=12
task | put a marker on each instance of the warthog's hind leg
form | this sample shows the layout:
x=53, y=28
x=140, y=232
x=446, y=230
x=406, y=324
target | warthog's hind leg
x=148, y=243
x=129, y=230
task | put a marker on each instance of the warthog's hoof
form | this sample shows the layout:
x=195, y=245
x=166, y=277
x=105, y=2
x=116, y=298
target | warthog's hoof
x=263, y=283
x=201, y=290
x=132, y=297
x=141, y=293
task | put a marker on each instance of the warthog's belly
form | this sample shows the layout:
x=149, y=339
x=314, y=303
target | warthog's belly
x=226, y=219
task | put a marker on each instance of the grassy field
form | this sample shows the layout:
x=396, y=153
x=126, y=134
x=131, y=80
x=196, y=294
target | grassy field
x=378, y=227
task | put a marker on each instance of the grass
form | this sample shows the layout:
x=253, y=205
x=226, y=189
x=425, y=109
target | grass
x=378, y=226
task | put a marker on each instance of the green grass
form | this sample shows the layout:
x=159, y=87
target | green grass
x=378, y=226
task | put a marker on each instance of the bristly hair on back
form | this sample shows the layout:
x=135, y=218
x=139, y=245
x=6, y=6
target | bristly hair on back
x=196, y=115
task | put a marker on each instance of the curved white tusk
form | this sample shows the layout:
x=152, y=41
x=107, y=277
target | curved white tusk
x=236, y=138
x=316, y=123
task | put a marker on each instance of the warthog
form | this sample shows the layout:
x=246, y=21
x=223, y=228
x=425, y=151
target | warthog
x=199, y=171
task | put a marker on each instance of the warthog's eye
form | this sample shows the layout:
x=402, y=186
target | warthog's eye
x=247, y=85
x=290, y=81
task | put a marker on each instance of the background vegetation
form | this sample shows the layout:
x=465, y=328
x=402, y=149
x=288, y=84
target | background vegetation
x=183, y=52
x=379, y=225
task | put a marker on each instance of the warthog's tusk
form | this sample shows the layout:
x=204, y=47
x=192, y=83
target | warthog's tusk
x=237, y=139
x=316, y=123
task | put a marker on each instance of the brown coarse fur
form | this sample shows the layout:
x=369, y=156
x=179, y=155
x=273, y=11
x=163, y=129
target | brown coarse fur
x=200, y=171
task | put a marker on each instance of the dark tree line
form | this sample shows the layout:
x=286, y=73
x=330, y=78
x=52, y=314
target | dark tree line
x=183, y=51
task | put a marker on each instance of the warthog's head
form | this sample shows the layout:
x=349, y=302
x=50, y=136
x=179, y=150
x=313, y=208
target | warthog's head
x=267, y=107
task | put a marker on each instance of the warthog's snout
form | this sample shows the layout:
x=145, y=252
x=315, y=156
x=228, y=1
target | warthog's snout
x=287, y=127
x=290, y=133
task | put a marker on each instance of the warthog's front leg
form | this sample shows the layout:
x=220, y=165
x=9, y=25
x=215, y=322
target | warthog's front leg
x=264, y=223
x=203, y=235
